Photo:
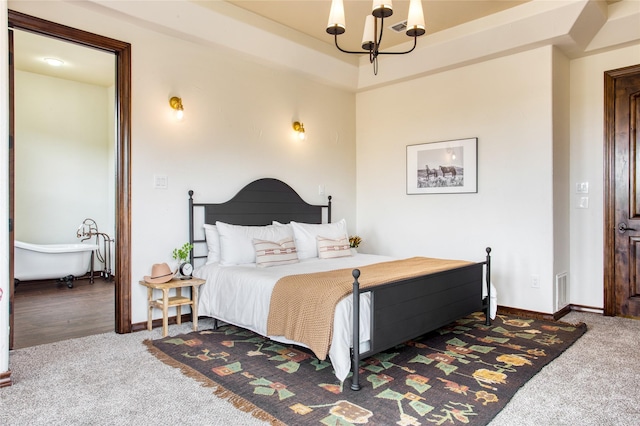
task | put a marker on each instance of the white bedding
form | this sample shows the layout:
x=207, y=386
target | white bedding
x=240, y=295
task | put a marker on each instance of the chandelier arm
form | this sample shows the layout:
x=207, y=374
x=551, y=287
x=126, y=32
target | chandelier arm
x=364, y=52
x=415, y=42
x=379, y=43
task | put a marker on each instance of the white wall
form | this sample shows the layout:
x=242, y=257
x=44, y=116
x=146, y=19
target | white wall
x=587, y=146
x=539, y=119
x=61, y=158
x=237, y=127
x=561, y=159
x=507, y=104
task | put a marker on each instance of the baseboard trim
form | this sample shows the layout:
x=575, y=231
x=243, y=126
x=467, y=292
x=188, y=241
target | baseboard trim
x=5, y=379
x=583, y=308
x=526, y=313
x=549, y=317
x=506, y=310
x=141, y=326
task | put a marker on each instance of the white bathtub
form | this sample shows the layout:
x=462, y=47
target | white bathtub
x=51, y=261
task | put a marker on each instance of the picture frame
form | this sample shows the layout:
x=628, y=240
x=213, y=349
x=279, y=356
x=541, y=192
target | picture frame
x=445, y=167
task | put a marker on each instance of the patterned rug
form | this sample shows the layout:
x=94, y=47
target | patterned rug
x=464, y=373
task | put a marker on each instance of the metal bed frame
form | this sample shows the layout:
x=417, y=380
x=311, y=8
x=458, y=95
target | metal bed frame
x=400, y=310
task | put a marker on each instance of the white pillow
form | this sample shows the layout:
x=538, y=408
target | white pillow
x=305, y=236
x=331, y=248
x=288, y=226
x=236, y=241
x=269, y=253
x=213, y=243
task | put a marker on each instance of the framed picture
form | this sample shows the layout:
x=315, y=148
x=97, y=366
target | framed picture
x=448, y=167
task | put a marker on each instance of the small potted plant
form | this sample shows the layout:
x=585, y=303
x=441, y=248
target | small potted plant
x=354, y=242
x=182, y=255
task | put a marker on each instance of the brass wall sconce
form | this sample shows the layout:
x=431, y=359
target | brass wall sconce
x=298, y=127
x=176, y=104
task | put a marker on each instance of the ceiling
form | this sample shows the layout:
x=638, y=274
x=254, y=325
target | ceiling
x=305, y=16
x=310, y=16
x=81, y=63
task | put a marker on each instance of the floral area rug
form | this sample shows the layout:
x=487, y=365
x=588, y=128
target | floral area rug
x=464, y=373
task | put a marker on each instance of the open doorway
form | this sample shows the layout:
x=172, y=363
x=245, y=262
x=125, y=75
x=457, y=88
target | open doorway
x=120, y=197
x=64, y=189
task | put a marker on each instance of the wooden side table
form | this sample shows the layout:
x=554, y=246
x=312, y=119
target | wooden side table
x=178, y=301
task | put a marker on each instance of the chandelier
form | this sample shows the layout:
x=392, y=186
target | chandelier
x=374, y=26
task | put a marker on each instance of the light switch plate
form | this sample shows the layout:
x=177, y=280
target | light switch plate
x=582, y=187
x=160, y=181
x=583, y=203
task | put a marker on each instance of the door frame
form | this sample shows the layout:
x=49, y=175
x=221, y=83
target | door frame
x=122, y=52
x=610, y=77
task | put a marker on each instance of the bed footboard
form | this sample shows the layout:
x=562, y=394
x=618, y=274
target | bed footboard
x=406, y=309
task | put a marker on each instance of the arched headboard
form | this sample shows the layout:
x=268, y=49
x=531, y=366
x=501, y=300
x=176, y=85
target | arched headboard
x=259, y=203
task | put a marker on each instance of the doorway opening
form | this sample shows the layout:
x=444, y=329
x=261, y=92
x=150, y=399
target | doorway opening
x=120, y=199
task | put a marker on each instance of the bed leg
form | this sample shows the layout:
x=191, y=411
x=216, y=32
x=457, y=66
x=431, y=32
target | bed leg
x=487, y=309
x=355, y=379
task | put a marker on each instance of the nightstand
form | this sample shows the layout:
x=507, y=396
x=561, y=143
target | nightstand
x=177, y=301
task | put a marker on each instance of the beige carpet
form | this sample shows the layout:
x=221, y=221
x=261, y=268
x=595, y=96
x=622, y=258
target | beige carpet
x=111, y=379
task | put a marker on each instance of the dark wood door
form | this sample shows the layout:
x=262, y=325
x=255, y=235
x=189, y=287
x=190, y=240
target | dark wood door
x=622, y=120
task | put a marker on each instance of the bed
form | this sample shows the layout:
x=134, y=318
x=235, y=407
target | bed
x=378, y=313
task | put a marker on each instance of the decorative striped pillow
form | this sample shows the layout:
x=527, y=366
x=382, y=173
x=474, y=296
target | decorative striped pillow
x=330, y=249
x=269, y=253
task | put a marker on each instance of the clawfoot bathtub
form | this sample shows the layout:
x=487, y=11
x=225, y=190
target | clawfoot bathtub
x=52, y=261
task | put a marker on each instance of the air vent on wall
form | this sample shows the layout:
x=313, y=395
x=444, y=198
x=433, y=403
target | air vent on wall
x=400, y=27
x=561, y=292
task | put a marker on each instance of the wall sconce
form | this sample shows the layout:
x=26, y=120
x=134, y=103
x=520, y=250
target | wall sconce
x=299, y=128
x=176, y=104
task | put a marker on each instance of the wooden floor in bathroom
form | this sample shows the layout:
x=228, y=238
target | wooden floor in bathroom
x=48, y=311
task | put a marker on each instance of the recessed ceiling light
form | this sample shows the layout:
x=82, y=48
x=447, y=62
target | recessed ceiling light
x=54, y=62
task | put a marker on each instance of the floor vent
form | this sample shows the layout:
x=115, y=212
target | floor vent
x=561, y=291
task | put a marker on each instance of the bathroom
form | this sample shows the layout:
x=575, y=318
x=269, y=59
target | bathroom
x=64, y=186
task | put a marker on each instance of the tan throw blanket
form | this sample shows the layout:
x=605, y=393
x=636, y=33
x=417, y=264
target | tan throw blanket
x=302, y=306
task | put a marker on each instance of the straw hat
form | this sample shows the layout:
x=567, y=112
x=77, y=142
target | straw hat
x=160, y=273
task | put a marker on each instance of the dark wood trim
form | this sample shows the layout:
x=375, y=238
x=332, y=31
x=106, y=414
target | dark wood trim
x=11, y=177
x=5, y=379
x=504, y=310
x=62, y=32
x=157, y=323
x=610, y=304
x=549, y=317
x=122, y=52
x=528, y=314
x=608, y=197
x=123, y=188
